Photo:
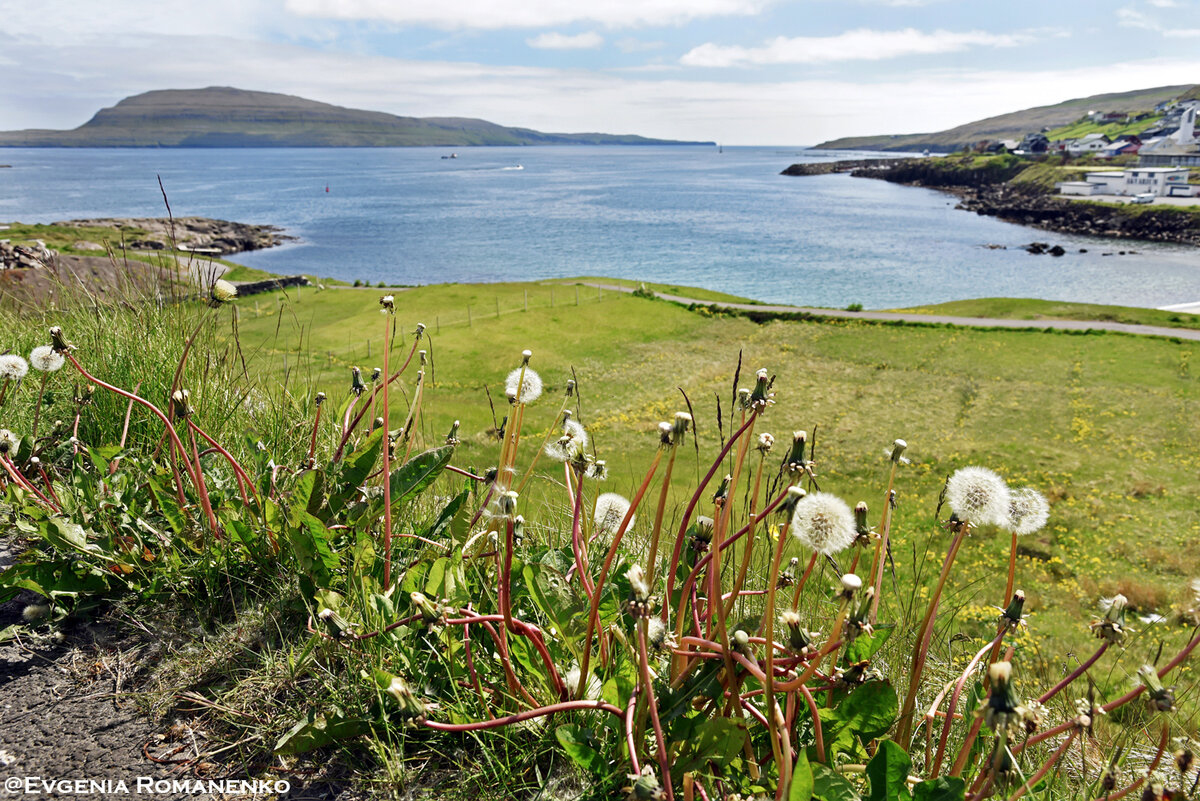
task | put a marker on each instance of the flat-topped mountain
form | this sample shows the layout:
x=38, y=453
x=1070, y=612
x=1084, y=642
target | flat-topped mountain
x=1015, y=124
x=221, y=116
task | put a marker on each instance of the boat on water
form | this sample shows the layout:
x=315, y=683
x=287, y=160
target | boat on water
x=451, y=156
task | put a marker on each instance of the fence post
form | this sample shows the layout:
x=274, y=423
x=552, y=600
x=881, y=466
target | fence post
x=577, y=294
x=526, y=300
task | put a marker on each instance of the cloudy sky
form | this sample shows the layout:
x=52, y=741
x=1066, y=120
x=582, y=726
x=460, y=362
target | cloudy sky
x=781, y=72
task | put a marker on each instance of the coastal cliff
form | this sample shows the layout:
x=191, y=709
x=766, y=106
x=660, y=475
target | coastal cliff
x=1001, y=187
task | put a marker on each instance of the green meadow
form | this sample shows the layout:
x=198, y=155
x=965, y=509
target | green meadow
x=1105, y=425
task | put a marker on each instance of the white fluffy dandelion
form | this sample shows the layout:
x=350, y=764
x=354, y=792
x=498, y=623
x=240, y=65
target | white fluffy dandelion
x=571, y=444
x=823, y=523
x=46, y=359
x=530, y=385
x=611, y=509
x=8, y=441
x=572, y=681
x=13, y=367
x=222, y=291
x=978, y=495
x=1028, y=511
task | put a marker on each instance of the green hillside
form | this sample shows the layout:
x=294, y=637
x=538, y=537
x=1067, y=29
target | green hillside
x=1016, y=124
x=227, y=117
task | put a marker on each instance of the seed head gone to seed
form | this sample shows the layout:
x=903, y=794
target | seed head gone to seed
x=13, y=367
x=823, y=523
x=978, y=495
x=571, y=444
x=45, y=359
x=611, y=509
x=530, y=388
x=1028, y=511
x=8, y=441
x=221, y=292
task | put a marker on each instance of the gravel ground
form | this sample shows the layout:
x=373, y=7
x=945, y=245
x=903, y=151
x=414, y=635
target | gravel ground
x=62, y=717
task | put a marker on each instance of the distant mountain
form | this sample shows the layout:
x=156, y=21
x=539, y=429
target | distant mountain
x=221, y=116
x=1015, y=124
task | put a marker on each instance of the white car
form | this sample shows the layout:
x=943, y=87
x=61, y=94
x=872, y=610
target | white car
x=1145, y=197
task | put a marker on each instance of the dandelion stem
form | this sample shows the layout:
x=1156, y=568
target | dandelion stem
x=337, y=455
x=664, y=760
x=1079, y=671
x=691, y=507
x=387, y=459
x=921, y=649
x=564, y=706
x=37, y=410
x=958, y=686
x=881, y=547
x=594, y=612
x=1049, y=763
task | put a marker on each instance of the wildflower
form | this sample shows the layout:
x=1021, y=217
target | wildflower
x=664, y=433
x=1112, y=627
x=850, y=585
x=319, y=398
x=452, y=437
x=741, y=643
x=388, y=302
x=1012, y=616
x=896, y=452
x=611, y=509
x=823, y=523
x=862, y=529
x=765, y=443
x=762, y=395
x=1035, y=716
x=722, y=493
x=180, y=406
x=680, y=427
x=644, y=786
x=221, y=292
x=45, y=359
x=35, y=612
x=8, y=442
x=530, y=388
x=412, y=708
x=597, y=469
x=659, y=636
x=640, y=601
x=978, y=495
x=800, y=640
x=571, y=444
x=1162, y=699
x=572, y=681
x=375, y=373
x=13, y=367
x=420, y=331
x=795, y=461
x=1003, y=712
x=59, y=341
x=1027, y=511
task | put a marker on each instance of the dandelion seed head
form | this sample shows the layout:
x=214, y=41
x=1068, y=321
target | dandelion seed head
x=765, y=442
x=611, y=509
x=46, y=359
x=13, y=367
x=851, y=582
x=1027, y=511
x=8, y=441
x=35, y=612
x=530, y=388
x=222, y=292
x=823, y=523
x=571, y=444
x=572, y=681
x=978, y=495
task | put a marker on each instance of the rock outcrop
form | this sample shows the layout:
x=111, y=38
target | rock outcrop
x=197, y=234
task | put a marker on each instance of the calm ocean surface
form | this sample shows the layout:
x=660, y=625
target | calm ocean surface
x=689, y=215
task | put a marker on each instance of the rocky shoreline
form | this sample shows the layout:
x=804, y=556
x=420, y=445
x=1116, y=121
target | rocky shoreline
x=988, y=192
x=195, y=234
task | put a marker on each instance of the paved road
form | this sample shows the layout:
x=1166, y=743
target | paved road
x=970, y=322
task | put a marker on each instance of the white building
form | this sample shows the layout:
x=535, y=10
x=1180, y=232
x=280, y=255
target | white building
x=1092, y=143
x=1159, y=181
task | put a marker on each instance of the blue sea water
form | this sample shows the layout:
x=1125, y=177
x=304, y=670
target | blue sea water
x=688, y=215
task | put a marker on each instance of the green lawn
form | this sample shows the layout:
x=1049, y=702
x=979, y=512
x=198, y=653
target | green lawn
x=1030, y=309
x=1105, y=425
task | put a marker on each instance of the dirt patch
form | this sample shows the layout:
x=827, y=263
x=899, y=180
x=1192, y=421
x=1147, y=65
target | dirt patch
x=87, y=279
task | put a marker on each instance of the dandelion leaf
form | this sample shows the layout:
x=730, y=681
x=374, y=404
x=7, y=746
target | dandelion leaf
x=888, y=772
x=829, y=785
x=317, y=730
x=581, y=746
x=802, y=779
x=719, y=741
x=417, y=474
x=865, y=646
x=943, y=788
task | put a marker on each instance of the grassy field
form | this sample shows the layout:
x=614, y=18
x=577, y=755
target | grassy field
x=1105, y=425
x=1031, y=309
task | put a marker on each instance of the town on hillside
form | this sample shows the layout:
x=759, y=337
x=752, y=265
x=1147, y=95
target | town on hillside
x=1155, y=150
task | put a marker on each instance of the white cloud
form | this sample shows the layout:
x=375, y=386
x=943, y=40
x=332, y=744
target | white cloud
x=560, y=41
x=1164, y=3
x=495, y=14
x=1132, y=18
x=858, y=45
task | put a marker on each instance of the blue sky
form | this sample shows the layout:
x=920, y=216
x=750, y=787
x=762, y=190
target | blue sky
x=777, y=72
